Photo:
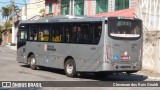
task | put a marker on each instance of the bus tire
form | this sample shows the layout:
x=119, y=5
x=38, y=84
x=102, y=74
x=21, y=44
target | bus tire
x=32, y=60
x=70, y=68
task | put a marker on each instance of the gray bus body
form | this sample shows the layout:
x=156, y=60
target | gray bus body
x=114, y=51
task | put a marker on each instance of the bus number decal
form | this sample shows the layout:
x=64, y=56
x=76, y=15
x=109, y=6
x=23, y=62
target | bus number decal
x=125, y=56
x=49, y=48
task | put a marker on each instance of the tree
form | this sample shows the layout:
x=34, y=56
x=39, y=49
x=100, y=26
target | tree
x=7, y=25
x=0, y=33
x=5, y=13
x=42, y=12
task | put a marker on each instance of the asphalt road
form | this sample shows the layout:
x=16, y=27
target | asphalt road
x=11, y=70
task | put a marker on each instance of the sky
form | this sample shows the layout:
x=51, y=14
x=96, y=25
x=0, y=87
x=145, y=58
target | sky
x=6, y=2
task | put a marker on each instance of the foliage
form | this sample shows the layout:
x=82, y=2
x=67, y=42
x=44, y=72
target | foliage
x=42, y=12
x=7, y=11
x=0, y=33
x=1, y=27
x=7, y=25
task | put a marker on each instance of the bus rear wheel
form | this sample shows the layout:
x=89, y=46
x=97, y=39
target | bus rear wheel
x=32, y=62
x=70, y=68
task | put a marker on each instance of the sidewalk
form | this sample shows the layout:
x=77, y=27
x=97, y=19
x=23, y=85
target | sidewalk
x=149, y=74
x=12, y=47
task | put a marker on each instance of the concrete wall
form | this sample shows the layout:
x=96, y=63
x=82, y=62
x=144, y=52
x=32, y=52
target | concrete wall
x=149, y=12
x=151, y=51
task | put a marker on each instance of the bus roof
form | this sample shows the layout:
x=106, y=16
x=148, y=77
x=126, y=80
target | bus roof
x=63, y=18
x=70, y=18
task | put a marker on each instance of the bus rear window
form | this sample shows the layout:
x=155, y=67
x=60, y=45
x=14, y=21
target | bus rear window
x=124, y=28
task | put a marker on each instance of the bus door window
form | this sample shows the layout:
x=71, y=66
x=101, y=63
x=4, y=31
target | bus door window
x=22, y=35
x=97, y=33
x=33, y=33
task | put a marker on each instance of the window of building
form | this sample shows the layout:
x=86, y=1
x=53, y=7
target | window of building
x=65, y=7
x=50, y=7
x=43, y=34
x=79, y=7
x=101, y=6
x=33, y=33
x=121, y=4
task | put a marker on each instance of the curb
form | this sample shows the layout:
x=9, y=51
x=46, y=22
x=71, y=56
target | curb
x=12, y=48
x=155, y=78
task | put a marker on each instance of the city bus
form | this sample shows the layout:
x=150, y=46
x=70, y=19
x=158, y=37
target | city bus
x=81, y=44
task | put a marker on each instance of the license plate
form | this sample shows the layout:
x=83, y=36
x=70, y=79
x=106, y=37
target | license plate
x=125, y=57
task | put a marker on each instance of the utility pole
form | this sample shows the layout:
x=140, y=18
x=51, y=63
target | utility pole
x=25, y=8
x=13, y=26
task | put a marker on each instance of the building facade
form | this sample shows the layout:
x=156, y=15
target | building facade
x=6, y=36
x=91, y=7
x=32, y=9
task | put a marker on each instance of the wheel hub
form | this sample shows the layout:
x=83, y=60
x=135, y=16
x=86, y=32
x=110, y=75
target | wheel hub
x=70, y=68
x=33, y=61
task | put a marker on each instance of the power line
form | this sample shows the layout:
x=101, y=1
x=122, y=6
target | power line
x=37, y=2
x=4, y=2
x=29, y=3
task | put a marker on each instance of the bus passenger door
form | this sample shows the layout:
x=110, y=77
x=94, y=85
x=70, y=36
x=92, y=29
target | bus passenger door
x=21, y=46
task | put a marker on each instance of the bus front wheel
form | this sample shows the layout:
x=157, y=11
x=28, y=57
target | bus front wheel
x=32, y=62
x=70, y=68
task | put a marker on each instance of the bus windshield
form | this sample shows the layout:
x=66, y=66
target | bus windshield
x=123, y=28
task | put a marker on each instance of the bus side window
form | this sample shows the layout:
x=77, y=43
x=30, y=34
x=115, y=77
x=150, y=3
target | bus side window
x=73, y=36
x=97, y=33
x=33, y=33
x=57, y=33
x=43, y=34
x=66, y=37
